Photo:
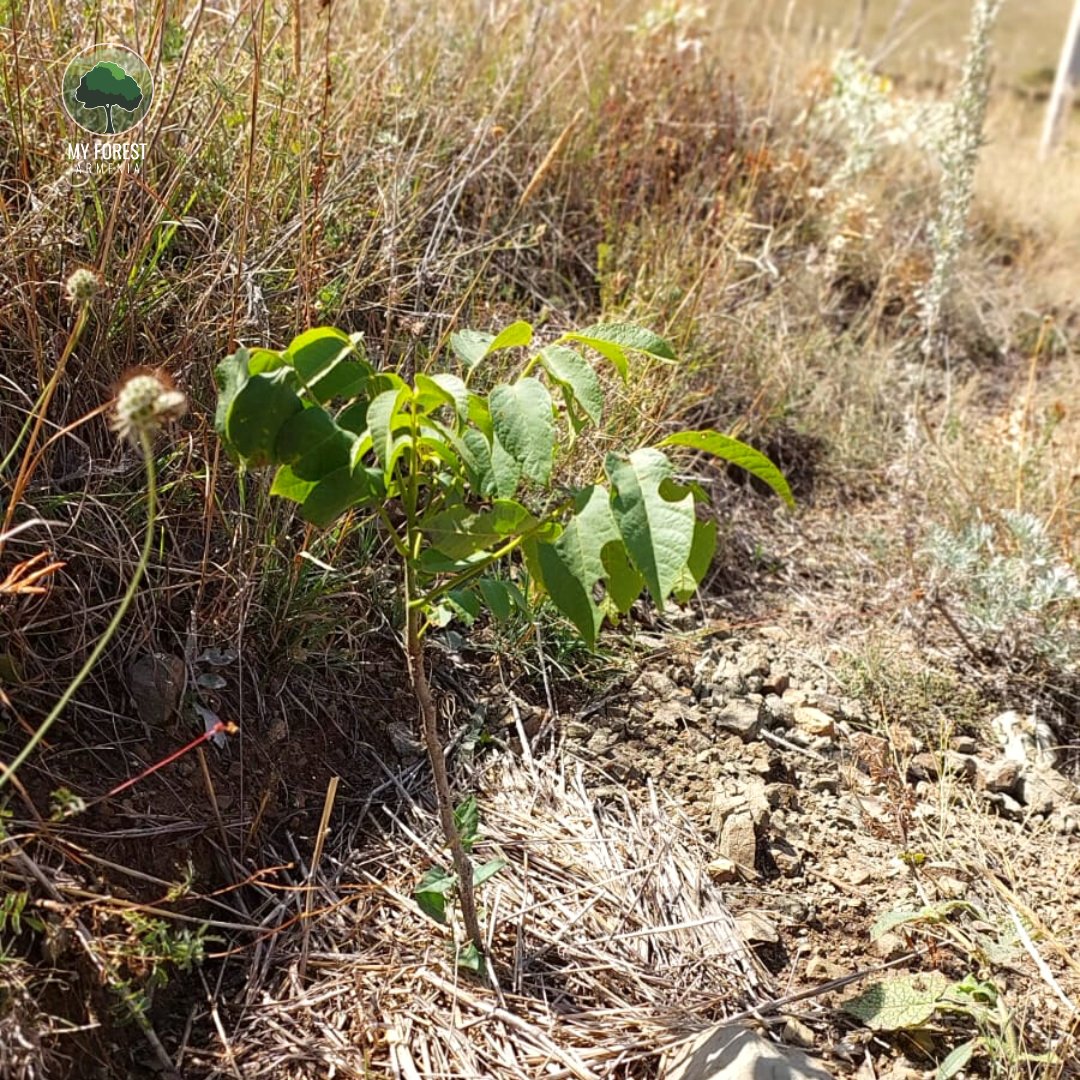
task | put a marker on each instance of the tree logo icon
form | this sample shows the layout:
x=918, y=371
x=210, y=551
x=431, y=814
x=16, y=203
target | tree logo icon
x=108, y=89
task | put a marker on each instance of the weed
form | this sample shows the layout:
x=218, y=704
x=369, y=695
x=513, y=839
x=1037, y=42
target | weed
x=1012, y=592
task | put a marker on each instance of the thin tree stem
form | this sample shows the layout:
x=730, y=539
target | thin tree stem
x=414, y=651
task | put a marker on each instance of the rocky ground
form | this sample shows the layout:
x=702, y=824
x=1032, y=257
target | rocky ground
x=830, y=818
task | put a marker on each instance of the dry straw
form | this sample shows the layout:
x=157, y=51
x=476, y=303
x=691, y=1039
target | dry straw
x=609, y=939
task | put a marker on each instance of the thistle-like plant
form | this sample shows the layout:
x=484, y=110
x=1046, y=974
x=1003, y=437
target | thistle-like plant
x=461, y=481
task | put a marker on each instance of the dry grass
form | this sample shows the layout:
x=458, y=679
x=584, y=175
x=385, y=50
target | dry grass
x=404, y=170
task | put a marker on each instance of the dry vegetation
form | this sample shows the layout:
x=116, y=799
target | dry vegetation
x=405, y=170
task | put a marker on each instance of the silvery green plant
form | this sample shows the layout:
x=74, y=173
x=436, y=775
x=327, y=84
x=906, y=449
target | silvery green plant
x=865, y=116
x=1014, y=592
x=959, y=154
x=460, y=481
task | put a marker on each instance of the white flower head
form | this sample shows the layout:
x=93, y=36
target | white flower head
x=146, y=401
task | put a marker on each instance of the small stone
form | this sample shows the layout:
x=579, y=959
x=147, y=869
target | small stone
x=963, y=744
x=756, y=928
x=157, y=682
x=777, y=708
x=738, y=840
x=821, y=970
x=824, y=784
x=797, y=1033
x=777, y=681
x=814, y=721
x=733, y=1052
x=887, y=946
x=722, y=870
x=951, y=888
x=740, y=718
x=1002, y=775
x=1043, y=790
x=794, y=698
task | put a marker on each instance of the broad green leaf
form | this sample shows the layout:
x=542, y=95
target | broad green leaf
x=628, y=336
x=312, y=445
x=505, y=471
x=289, y=486
x=899, y=1002
x=957, y=1059
x=574, y=373
x=382, y=414
x=467, y=821
x=487, y=870
x=521, y=413
x=459, y=532
x=609, y=350
x=571, y=566
x=431, y=893
x=658, y=532
x=229, y=376
x=465, y=604
x=470, y=346
x=517, y=333
x=328, y=364
x=257, y=414
x=624, y=582
x=738, y=453
x=434, y=391
x=476, y=453
x=697, y=565
x=260, y=360
x=342, y=490
x=354, y=417
x=496, y=597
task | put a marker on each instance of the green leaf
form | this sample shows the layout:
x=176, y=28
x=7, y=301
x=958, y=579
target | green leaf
x=469, y=958
x=957, y=1059
x=487, y=870
x=434, y=391
x=327, y=362
x=900, y=1002
x=467, y=821
x=497, y=597
x=505, y=471
x=258, y=412
x=624, y=582
x=931, y=913
x=609, y=350
x=260, y=360
x=738, y=453
x=476, y=454
x=697, y=565
x=470, y=346
x=571, y=566
x=612, y=340
x=459, y=532
x=636, y=338
x=432, y=891
x=575, y=375
x=382, y=416
x=229, y=376
x=658, y=532
x=312, y=445
x=465, y=604
x=342, y=490
x=289, y=486
x=521, y=414
x=517, y=333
